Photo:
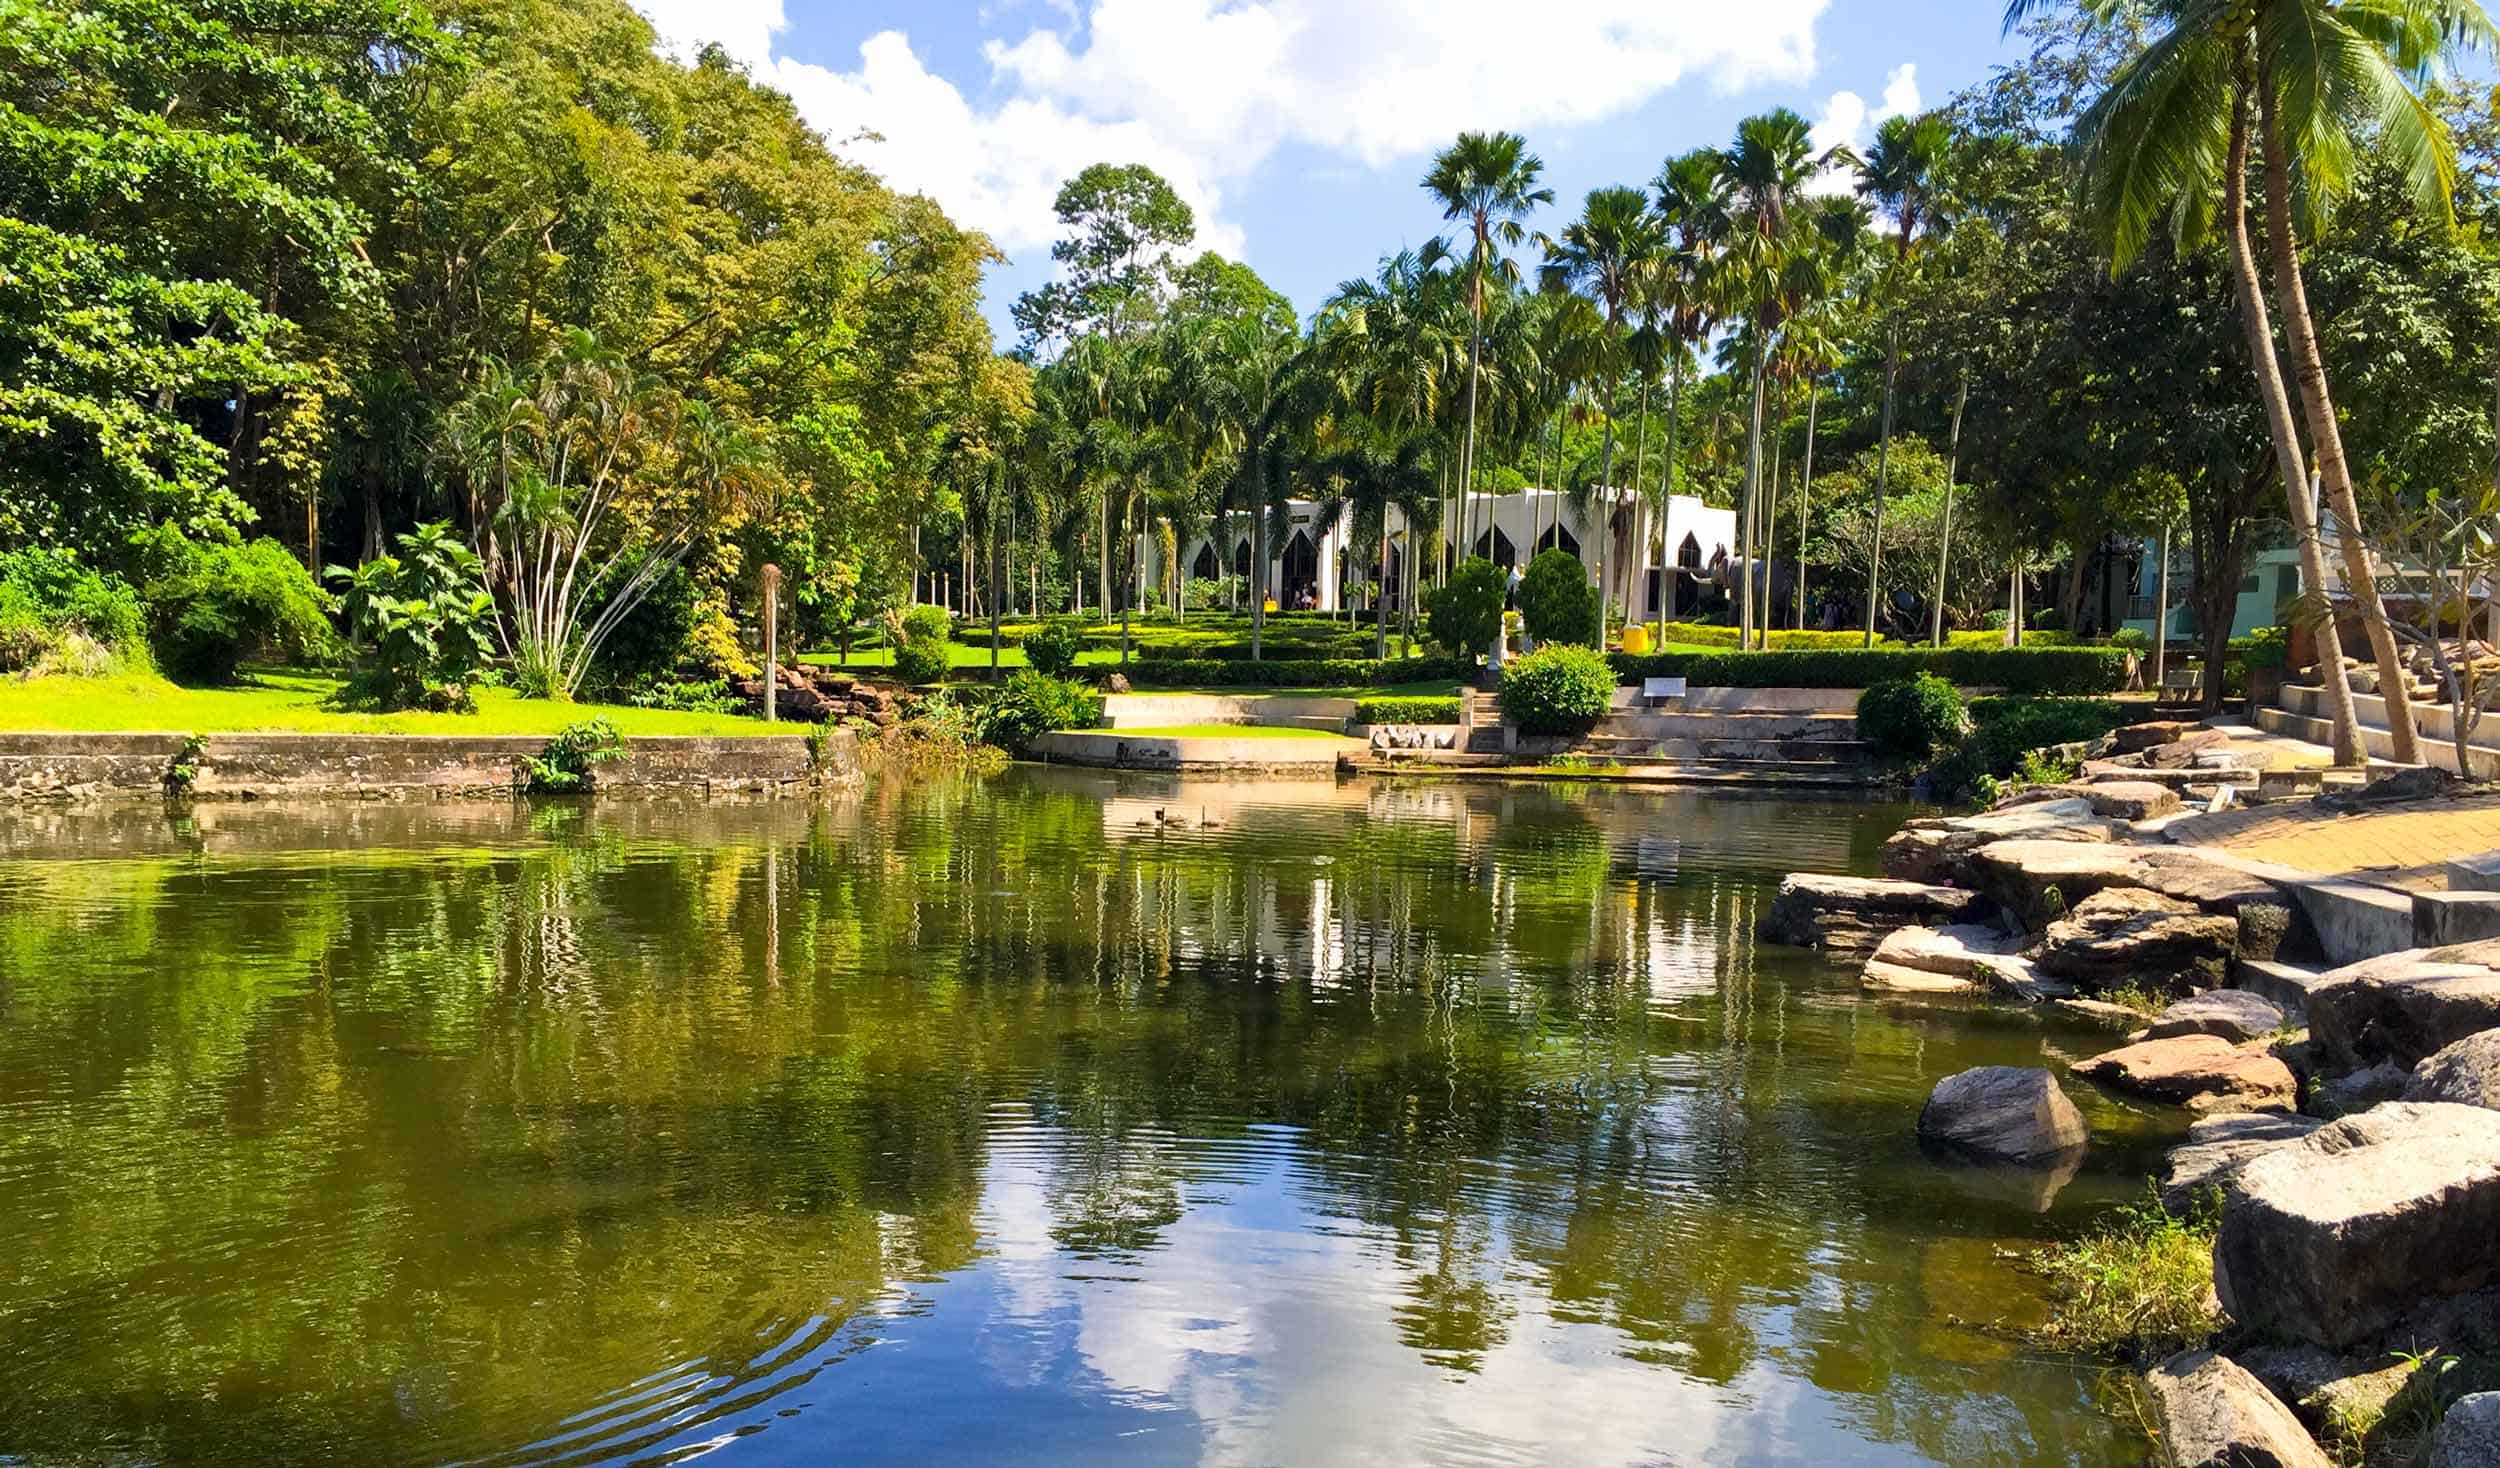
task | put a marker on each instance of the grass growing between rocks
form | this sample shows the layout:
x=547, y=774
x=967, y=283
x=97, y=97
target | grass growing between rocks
x=2138, y=1288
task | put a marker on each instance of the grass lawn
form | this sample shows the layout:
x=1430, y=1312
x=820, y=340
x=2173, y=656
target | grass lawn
x=1226, y=731
x=276, y=701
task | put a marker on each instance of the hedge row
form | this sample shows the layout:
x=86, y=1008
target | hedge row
x=1292, y=672
x=1406, y=711
x=2044, y=670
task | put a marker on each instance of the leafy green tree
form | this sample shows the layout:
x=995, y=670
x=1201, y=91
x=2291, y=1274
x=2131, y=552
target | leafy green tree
x=1609, y=252
x=1465, y=612
x=1556, y=601
x=1124, y=225
x=1488, y=181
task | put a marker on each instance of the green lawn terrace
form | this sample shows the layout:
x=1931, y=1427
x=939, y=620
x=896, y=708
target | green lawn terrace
x=297, y=701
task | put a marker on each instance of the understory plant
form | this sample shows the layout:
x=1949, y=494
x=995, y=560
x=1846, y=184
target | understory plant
x=1052, y=648
x=1463, y=615
x=1910, y=718
x=1556, y=602
x=922, y=649
x=566, y=765
x=1032, y=703
x=1557, y=689
x=212, y=604
x=52, y=605
x=2136, y=1288
x=421, y=621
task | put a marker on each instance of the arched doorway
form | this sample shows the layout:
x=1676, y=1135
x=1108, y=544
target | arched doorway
x=1559, y=538
x=1494, y=546
x=1688, y=572
x=1205, y=568
x=1301, y=569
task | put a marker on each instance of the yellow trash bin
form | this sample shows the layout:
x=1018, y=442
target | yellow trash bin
x=1271, y=603
x=1636, y=638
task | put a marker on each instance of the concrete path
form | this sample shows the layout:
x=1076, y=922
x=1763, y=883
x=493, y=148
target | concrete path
x=2400, y=845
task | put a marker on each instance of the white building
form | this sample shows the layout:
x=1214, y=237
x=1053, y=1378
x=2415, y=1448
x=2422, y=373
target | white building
x=1670, y=554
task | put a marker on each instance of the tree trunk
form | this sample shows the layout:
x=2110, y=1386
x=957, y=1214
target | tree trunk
x=1605, y=520
x=1770, y=534
x=1380, y=592
x=2283, y=432
x=1805, y=498
x=1640, y=454
x=1944, y=550
x=1883, y=479
x=1258, y=565
x=1103, y=552
x=2161, y=619
x=1675, y=393
x=1475, y=355
x=1745, y=515
x=2327, y=439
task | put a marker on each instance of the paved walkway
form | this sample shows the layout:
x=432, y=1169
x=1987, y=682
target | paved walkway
x=2400, y=845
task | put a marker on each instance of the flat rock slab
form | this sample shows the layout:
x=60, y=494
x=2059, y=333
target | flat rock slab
x=1852, y=914
x=2137, y=738
x=2327, y=1389
x=1937, y=850
x=2217, y=1147
x=1953, y=951
x=2234, y=1014
x=2467, y=1073
x=2101, y=1012
x=2002, y=1112
x=2124, y=934
x=2211, y=1413
x=1893, y=978
x=2200, y=1072
x=2012, y=976
x=2406, y=1007
x=2019, y=874
x=2131, y=800
x=2338, y=1235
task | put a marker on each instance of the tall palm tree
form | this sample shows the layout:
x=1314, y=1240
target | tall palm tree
x=1489, y=181
x=1693, y=200
x=1900, y=175
x=1606, y=253
x=2311, y=78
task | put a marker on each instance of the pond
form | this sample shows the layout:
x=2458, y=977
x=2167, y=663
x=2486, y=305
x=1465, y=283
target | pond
x=1058, y=1118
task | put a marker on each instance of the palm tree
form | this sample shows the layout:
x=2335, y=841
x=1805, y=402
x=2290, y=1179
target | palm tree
x=2321, y=77
x=1488, y=180
x=1606, y=253
x=1693, y=203
x=1900, y=175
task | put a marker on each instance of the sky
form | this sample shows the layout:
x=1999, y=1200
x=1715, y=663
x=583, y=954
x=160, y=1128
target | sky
x=1298, y=129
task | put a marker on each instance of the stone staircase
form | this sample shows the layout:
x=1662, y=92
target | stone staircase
x=2300, y=712
x=1721, y=744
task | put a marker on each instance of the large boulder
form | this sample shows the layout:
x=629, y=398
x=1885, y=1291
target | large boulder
x=2019, y=874
x=1953, y=951
x=2182, y=751
x=2405, y=1007
x=2209, y=1413
x=2328, y=1390
x=1852, y=914
x=2234, y=1014
x=2467, y=1072
x=2200, y=1072
x=2137, y=738
x=1937, y=850
x=2131, y=800
x=2468, y=1436
x=2125, y=934
x=2219, y=1147
x=2002, y=1113
x=2339, y=1234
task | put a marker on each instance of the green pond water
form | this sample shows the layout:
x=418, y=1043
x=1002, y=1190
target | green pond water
x=980, y=1122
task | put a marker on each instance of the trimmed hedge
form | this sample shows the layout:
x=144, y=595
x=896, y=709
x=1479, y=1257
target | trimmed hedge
x=2046, y=670
x=1292, y=672
x=1913, y=716
x=1407, y=711
x=1557, y=689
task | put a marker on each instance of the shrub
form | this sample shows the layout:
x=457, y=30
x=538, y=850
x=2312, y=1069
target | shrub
x=1406, y=711
x=1557, y=689
x=212, y=605
x=2135, y=1288
x=421, y=619
x=2133, y=639
x=923, y=659
x=2264, y=647
x=565, y=766
x=690, y=696
x=1030, y=704
x=2024, y=670
x=1463, y=615
x=2006, y=730
x=1556, y=600
x=1297, y=672
x=925, y=623
x=1052, y=648
x=46, y=597
x=1911, y=717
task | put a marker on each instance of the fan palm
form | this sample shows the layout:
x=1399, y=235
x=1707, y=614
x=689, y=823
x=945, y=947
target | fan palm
x=1489, y=181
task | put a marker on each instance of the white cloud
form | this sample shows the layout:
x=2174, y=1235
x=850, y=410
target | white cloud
x=1848, y=120
x=1207, y=91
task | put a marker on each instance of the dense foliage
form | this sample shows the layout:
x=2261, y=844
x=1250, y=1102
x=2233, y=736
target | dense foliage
x=1908, y=718
x=1052, y=648
x=1300, y=672
x=49, y=603
x=2044, y=670
x=1406, y=711
x=1464, y=615
x=211, y=604
x=1557, y=689
x=1556, y=602
x=420, y=620
x=569, y=763
x=2006, y=730
x=1032, y=703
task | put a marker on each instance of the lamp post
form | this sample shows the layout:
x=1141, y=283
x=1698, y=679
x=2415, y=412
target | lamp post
x=772, y=638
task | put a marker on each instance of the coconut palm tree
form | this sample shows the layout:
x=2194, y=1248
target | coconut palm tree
x=1606, y=253
x=1692, y=198
x=2309, y=84
x=1900, y=175
x=1489, y=181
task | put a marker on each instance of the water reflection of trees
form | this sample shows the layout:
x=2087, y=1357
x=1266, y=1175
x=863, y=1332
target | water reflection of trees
x=434, y=1146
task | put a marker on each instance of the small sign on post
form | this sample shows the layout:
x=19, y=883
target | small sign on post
x=772, y=638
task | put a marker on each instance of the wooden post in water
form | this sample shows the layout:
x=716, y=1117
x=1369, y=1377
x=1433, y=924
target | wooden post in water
x=772, y=637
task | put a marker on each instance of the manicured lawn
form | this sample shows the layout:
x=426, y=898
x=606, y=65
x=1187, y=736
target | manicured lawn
x=1227, y=731
x=293, y=702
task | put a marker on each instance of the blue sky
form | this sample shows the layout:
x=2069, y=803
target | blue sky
x=1298, y=128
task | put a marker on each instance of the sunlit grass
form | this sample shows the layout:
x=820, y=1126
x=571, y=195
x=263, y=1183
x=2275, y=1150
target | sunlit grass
x=2137, y=1288
x=289, y=701
x=1227, y=731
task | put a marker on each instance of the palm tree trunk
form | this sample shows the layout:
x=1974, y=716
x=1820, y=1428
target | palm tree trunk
x=1675, y=393
x=1944, y=549
x=2310, y=371
x=1380, y=592
x=2284, y=433
x=1805, y=497
x=1883, y=479
x=1467, y=459
x=1640, y=456
x=1744, y=518
x=1771, y=529
x=1103, y=552
x=1605, y=519
x=1258, y=561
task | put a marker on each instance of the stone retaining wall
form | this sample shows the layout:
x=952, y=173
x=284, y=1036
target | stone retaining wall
x=85, y=766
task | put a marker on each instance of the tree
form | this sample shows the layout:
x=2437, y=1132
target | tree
x=1124, y=225
x=1489, y=182
x=1609, y=251
x=1900, y=175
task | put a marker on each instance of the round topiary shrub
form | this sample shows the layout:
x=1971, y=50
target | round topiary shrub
x=923, y=659
x=1463, y=615
x=1052, y=648
x=1556, y=600
x=1557, y=689
x=1912, y=717
x=926, y=623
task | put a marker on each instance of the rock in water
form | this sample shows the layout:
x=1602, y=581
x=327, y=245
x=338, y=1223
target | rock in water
x=1953, y=952
x=2199, y=1072
x=2234, y=1014
x=2003, y=1113
x=2469, y=1435
x=2405, y=1007
x=2338, y=1235
x=2212, y=1414
x=2019, y=874
x=2467, y=1072
x=1936, y=851
x=1853, y=914
x=2127, y=933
